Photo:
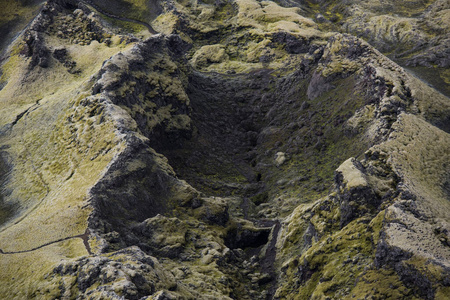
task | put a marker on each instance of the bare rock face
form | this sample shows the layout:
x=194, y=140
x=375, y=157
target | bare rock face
x=235, y=149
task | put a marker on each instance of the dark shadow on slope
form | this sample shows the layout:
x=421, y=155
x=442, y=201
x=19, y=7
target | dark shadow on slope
x=11, y=28
x=219, y=159
x=7, y=210
x=431, y=76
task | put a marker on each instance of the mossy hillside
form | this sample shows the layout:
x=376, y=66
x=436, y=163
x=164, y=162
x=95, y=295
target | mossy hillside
x=67, y=180
x=440, y=83
x=52, y=169
x=50, y=101
x=432, y=105
x=303, y=234
x=304, y=230
x=13, y=94
x=429, y=197
x=339, y=273
x=14, y=16
x=15, y=98
x=331, y=266
x=53, y=166
x=17, y=9
x=23, y=274
x=416, y=148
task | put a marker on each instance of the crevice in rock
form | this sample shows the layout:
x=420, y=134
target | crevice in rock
x=268, y=261
x=245, y=238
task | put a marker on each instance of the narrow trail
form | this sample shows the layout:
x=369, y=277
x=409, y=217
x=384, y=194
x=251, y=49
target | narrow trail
x=100, y=10
x=84, y=237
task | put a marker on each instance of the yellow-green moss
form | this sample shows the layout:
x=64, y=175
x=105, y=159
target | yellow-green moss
x=58, y=149
x=380, y=284
x=335, y=262
x=22, y=275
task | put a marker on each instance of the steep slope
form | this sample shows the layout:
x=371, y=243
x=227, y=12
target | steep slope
x=246, y=152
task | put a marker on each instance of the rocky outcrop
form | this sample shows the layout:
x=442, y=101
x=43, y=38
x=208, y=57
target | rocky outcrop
x=129, y=272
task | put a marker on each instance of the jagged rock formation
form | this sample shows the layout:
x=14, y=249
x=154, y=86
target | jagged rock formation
x=249, y=150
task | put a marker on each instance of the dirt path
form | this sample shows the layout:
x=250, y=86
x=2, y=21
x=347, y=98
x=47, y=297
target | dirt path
x=84, y=237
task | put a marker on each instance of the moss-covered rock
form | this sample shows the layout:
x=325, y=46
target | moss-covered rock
x=246, y=152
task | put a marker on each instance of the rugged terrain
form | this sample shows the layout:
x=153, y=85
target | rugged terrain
x=227, y=149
